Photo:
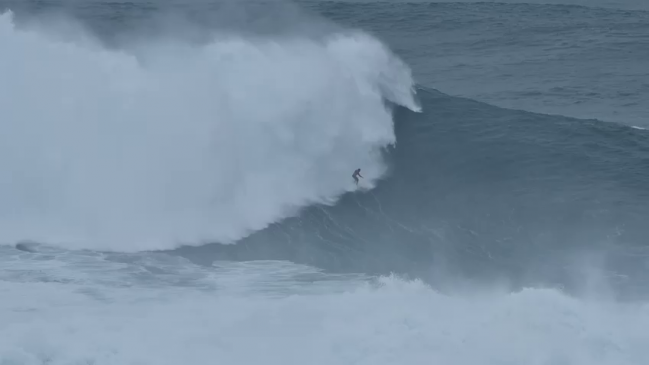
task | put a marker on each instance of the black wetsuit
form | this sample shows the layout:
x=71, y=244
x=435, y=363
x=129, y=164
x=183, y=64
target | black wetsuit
x=356, y=174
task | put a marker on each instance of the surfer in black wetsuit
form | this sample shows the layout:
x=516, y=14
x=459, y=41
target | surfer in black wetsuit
x=356, y=174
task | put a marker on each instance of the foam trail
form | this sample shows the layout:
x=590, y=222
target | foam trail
x=105, y=150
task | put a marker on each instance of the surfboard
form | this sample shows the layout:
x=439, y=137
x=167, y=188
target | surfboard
x=361, y=187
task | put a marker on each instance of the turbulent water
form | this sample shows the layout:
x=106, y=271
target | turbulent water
x=175, y=182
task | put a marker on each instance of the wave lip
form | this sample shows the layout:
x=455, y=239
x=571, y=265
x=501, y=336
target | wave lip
x=177, y=144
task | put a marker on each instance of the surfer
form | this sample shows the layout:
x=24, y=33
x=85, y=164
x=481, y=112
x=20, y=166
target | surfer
x=356, y=174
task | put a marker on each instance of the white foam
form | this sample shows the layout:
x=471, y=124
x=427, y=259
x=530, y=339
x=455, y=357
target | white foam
x=184, y=144
x=395, y=322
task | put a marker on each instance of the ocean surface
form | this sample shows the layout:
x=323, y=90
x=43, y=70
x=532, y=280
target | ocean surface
x=175, y=182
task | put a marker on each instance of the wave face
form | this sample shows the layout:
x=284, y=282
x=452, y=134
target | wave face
x=476, y=192
x=172, y=143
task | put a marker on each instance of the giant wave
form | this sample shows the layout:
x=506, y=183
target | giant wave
x=251, y=140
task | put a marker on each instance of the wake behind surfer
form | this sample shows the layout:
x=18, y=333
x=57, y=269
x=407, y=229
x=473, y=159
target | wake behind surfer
x=356, y=174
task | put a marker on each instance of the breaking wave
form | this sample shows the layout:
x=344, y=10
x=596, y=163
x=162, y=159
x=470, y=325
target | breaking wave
x=185, y=144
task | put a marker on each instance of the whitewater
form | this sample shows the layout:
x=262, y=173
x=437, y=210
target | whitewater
x=178, y=144
x=89, y=308
x=184, y=196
